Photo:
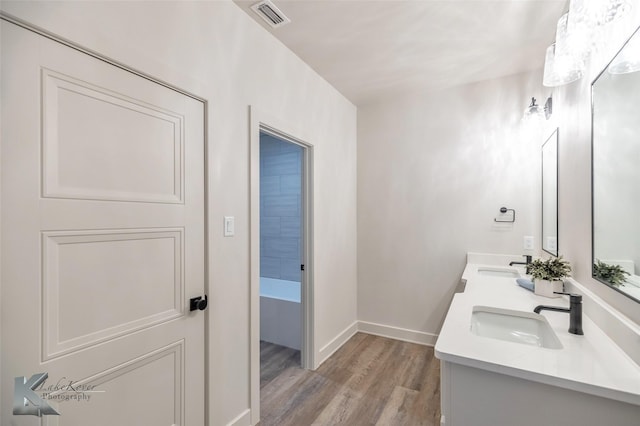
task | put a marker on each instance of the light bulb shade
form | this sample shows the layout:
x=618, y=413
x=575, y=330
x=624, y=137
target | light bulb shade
x=559, y=71
x=580, y=34
x=567, y=67
x=597, y=12
x=550, y=78
x=587, y=25
x=607, y=11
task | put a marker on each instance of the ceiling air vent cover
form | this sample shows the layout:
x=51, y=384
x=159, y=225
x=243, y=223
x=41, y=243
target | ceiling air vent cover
x=270, y=13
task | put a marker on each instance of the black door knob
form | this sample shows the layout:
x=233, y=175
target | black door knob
x=198, y=303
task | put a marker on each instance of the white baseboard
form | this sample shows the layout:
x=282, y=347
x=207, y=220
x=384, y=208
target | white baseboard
x=398, y=333
x=243, y=419
x=327, y=350
x=406, y=335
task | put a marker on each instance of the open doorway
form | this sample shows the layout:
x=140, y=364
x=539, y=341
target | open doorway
x=281, y=164
x=281, y=255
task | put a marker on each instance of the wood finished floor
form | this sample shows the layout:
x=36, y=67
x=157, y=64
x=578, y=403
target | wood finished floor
x=370, y=380
x=274, y=359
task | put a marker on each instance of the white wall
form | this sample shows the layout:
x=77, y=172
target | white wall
x=434, y=168
x=433, y=171
x=214, y=50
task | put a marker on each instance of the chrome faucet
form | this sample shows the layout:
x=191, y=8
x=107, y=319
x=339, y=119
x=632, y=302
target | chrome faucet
x=528, y=259
x=574, y=310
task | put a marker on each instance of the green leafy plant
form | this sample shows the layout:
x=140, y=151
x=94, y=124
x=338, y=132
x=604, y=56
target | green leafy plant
x=612, y=274
x=552, y=269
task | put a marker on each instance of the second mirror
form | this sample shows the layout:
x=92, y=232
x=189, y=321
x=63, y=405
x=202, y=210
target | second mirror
x=550, y=194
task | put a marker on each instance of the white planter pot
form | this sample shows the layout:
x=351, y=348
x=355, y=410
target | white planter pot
x=547, y=288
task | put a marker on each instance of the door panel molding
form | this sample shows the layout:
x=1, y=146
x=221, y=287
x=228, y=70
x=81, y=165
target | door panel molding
x=98, y=146
x=104, y=250
x=173, y=353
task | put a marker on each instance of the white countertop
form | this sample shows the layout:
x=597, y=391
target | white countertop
x=592, y=363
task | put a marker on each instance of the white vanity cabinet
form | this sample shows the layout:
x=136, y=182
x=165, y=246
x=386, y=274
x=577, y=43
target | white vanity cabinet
x=476, y=397
x=589, y=381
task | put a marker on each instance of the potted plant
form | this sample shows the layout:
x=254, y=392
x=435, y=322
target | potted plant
x=611, y=274
x=548, y=274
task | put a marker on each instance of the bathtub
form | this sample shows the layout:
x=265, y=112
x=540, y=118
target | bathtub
x=280, y=312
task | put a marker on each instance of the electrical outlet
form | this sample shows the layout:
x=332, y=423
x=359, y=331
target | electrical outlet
x=528, y=242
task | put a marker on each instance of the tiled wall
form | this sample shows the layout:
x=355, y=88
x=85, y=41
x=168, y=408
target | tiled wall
x=280, y=208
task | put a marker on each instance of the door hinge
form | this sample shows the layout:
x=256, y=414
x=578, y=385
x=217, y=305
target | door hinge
x=302, y=267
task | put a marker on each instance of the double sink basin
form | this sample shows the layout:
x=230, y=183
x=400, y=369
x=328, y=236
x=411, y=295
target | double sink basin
x=527, y=328
x=513, y=326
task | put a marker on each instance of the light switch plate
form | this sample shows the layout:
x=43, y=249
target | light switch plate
x=229, y=226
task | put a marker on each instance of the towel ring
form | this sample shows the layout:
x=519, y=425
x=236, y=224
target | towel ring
x=504, y=210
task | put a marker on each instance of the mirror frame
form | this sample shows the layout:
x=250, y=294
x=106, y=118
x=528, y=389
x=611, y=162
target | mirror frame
x=556, y=134
x=636, y=32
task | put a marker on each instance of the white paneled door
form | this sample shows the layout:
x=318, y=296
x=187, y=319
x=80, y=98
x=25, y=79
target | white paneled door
x=102, y=242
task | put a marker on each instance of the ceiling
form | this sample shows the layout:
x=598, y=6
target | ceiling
x=372, y=49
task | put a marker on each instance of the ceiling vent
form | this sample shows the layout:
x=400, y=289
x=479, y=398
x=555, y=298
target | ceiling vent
x=270, y=13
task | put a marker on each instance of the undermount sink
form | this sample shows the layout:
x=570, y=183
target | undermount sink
x=499, y=272
x=513, y=326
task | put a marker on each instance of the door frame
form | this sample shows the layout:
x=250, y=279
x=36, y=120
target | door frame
x=206, y=160
x=263, y=122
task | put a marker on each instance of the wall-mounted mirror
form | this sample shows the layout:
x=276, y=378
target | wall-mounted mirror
x=550, y=194
x=616, y=172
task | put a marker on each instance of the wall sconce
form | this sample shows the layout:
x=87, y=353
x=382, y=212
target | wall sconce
x=548, y=108
x=577, y=35
x=533, y=111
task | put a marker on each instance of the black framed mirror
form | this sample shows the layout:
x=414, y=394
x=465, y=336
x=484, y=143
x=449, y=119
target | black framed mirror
x=615, y=144
x=550, y=194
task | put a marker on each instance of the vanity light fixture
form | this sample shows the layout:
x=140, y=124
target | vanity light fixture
x=578, y=33
x=533, y=111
